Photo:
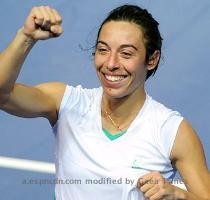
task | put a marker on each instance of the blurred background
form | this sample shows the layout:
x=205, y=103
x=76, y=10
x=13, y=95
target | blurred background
x=181, y=82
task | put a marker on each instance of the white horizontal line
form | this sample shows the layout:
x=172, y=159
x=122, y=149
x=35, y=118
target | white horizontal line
x=180, y=185
x=37, y=166
x=29, y=165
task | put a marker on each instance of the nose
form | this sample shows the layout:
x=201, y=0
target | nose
x=112, y=62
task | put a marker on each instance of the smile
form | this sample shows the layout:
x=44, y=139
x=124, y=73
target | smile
x=114, y=78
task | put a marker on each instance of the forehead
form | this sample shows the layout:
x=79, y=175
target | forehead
x=122, y=32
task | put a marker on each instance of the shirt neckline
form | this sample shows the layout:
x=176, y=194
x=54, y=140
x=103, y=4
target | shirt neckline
x=140, y=113
x=111, y=136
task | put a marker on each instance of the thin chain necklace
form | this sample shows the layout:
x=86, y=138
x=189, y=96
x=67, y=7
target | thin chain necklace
x=113, y=122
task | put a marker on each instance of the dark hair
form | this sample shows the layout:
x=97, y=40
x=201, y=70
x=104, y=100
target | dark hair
x=144, y=19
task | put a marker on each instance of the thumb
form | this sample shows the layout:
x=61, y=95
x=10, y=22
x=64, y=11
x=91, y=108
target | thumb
x=42, y=34
x=30, y=25
x=56, y=30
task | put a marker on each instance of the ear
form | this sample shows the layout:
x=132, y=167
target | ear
x=153, y=60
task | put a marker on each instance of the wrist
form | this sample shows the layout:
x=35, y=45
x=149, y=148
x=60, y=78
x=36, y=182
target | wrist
x=22, y=43
x=180, y=193
x=25, y=38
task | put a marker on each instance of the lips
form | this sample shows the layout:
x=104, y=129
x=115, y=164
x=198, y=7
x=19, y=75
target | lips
x=114, y=78
x=113, y=81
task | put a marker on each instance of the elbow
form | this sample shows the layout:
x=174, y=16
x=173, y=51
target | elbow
x=3, y=99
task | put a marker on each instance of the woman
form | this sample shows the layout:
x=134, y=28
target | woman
x=115, y=141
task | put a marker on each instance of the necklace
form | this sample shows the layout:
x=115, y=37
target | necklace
x=113, y=122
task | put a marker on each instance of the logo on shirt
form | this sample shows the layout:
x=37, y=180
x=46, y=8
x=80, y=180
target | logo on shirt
x=137, y=164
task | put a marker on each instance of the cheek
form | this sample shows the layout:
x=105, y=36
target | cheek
x=97, y=61
x=136, y=67
x=138, y=73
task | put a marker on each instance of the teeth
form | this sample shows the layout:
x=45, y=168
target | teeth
x=114, y=78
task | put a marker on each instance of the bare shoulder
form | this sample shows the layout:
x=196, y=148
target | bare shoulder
x=186, y=141
x=55, y=90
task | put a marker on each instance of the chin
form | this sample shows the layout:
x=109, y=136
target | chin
x=115, y=93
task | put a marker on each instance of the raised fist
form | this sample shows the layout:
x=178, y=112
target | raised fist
x=42, y=23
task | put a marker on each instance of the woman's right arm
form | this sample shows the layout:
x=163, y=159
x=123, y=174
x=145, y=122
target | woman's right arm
x=19, y=99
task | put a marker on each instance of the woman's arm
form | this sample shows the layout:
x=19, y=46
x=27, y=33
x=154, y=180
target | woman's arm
x=19, y=99
x=188, y=156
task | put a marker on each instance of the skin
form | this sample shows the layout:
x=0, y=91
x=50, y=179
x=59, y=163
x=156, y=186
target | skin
x=121, y=51
x=42, y=100
x=188, y=157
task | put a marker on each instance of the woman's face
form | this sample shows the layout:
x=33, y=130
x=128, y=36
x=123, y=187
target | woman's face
x=120, y=58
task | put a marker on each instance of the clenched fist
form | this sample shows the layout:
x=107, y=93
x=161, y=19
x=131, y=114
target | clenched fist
x=42, y=23
x=155, y=187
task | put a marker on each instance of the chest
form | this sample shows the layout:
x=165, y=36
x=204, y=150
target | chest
x=136, y=152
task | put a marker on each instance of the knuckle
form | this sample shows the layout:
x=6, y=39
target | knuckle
x=61, y=31
x=161, y=192
x=41, y=7
x=41, y=18
x=57, y=16
x=156, y=173
x=33, y=8
x=47, y=19
x=157, y=187
x=47, y=7
x=59, y=19
x=54, y=10
x=142, y=189
x=148, y=196
x=53, y=21
x=139, y=185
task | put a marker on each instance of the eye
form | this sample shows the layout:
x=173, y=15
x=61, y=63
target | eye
x=102, y=50
x=126, y=54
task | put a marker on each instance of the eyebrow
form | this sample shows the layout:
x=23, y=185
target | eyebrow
x=121, y=46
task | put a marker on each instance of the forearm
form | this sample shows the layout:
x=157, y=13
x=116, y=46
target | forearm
x=11, y=60
x=185, y=195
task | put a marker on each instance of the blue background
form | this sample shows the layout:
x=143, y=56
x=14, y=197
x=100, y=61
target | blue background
x=181, y=82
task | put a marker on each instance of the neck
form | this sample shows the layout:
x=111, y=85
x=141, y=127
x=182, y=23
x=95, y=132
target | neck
x=122, y=109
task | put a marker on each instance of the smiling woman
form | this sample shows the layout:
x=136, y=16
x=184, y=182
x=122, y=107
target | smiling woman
x=116, y=132
x=120, y=58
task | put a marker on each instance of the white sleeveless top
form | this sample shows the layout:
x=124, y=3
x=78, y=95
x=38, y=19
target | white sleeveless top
x=90, y=166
